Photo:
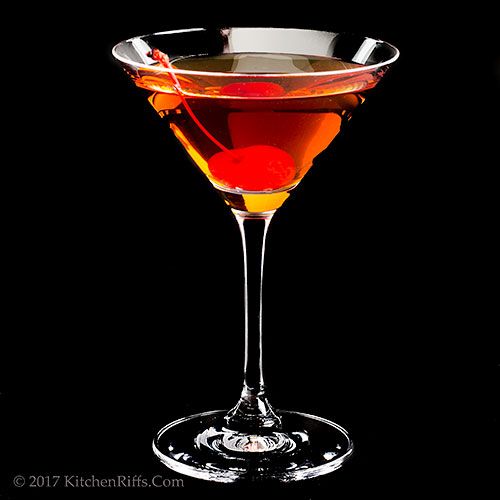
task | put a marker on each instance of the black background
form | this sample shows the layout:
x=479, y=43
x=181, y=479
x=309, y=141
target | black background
x=123, y=298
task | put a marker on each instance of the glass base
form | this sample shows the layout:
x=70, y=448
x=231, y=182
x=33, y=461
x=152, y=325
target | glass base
x=201, y=446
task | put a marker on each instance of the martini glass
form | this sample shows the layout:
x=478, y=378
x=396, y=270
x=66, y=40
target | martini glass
x=253, y=107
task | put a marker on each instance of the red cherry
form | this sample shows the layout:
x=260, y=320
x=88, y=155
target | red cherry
x=253, y=89
x=255, y=168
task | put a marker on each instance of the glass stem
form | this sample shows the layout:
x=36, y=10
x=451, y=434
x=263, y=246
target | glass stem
x=253, y=412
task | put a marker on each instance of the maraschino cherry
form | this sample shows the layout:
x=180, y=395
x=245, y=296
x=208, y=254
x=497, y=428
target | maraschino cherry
x=255, y=168
x=252, y=168
x=253, y=89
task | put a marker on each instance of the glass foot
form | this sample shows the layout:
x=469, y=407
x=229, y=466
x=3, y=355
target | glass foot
x=202, y=446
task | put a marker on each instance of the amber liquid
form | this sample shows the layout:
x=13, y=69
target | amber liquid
x=298, y=128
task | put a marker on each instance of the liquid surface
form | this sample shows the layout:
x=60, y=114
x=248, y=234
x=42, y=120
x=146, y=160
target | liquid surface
x=262, y=63
x=255, y=139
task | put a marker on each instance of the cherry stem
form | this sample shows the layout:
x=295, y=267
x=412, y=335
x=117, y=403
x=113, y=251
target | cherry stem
x=163, y=59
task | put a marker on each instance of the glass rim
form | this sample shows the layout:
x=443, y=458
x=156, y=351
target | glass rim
x=178, y=71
